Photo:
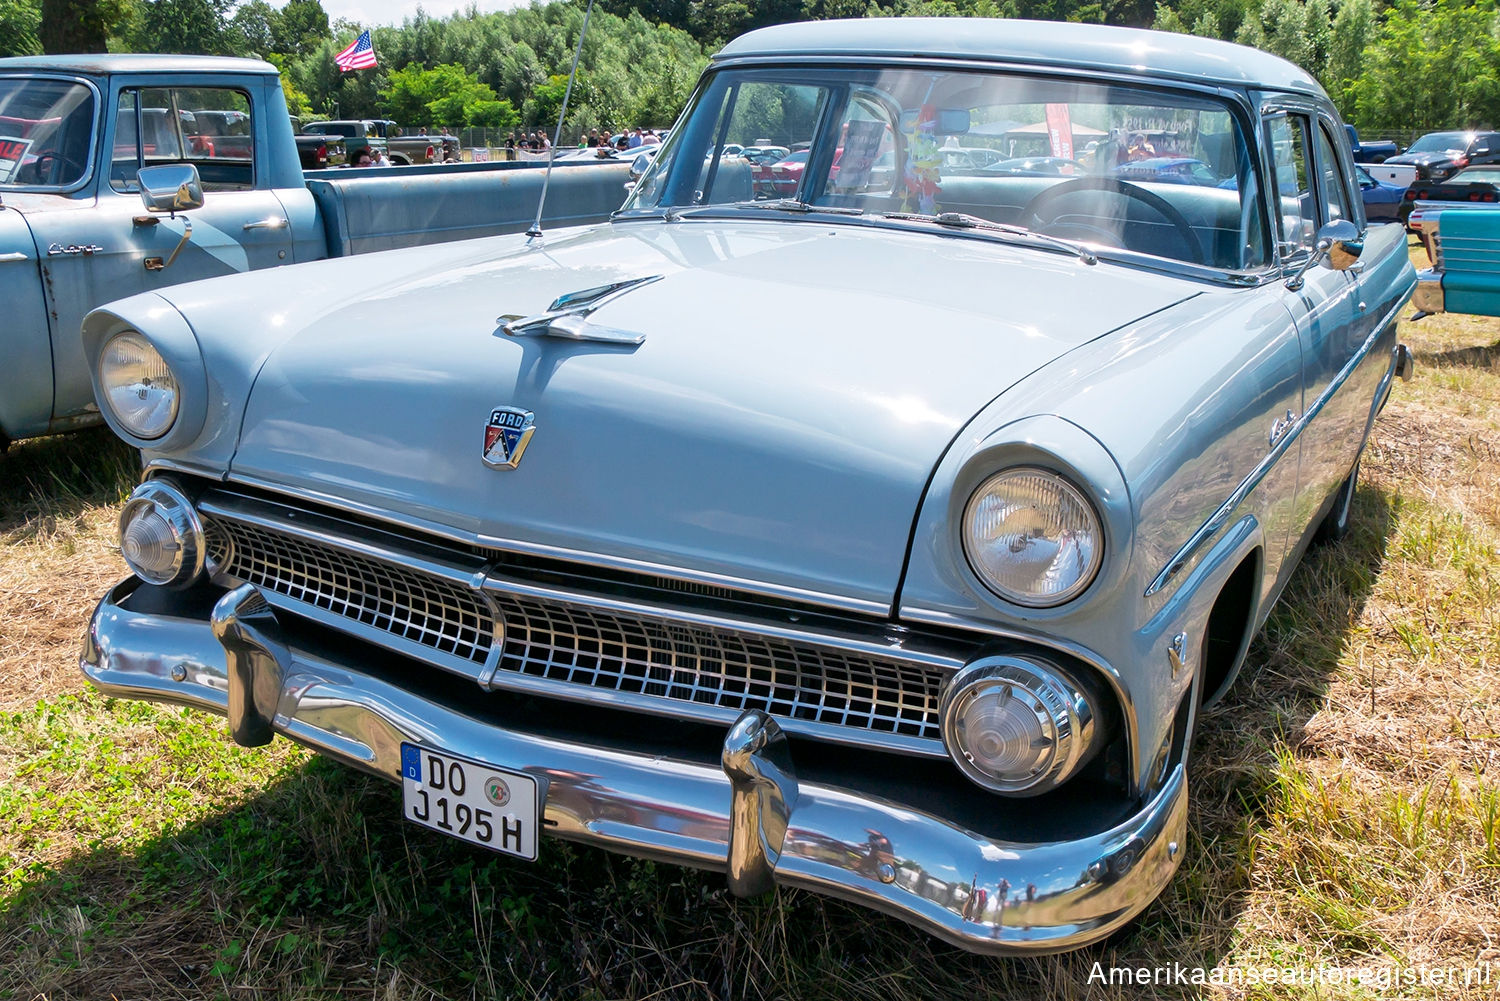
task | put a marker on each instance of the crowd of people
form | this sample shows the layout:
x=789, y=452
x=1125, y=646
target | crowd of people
x=537, y=142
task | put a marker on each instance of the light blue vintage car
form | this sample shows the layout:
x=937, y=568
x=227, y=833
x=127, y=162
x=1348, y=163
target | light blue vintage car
x=906, y=589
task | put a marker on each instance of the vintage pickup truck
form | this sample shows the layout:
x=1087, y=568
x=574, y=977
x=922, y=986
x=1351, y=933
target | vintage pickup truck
x=909, y=594
x=74, y=132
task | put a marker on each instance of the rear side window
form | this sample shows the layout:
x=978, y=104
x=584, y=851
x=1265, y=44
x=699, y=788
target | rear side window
x=1335, y=193
x=209, y=127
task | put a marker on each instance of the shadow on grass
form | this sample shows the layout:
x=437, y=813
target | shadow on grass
x=317, y=888
x=57, y=477
x=1477, y=356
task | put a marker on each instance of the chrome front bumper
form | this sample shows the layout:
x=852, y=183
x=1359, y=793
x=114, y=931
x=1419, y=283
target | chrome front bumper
x=749, y=816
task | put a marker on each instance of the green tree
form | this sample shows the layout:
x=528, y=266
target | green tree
x=254, y=28
x=20, y=26
x=301, y=26
x=191, y=26
x=77, y=25
x=1433, y=65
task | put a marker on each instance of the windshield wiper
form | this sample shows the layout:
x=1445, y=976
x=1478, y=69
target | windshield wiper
x=962, y=220
x=675, y=212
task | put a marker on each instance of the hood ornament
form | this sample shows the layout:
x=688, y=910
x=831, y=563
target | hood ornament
x=506, y=435
x=567, y=316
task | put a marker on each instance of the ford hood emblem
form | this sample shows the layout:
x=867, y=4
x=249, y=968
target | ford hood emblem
x=506, y=435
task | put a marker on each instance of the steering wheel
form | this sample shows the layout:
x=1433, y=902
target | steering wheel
x=1034, y=216
x=52, y=174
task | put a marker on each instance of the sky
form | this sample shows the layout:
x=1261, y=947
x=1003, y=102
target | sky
x=369, y=13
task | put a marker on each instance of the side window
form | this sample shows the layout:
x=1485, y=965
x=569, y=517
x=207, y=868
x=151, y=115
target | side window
x=209, y=127
x=1334, y=190
x=1294, y=198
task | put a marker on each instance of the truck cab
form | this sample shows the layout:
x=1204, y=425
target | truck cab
x=74, y=131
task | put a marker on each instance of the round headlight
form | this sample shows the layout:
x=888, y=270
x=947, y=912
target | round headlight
x=138, y=387
x=1016, y=726
x=1032, y=537
x=161, y=535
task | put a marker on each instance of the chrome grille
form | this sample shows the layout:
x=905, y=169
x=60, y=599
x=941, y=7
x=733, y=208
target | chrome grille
x=697, y=670
x=415, y=606
x=733, y=670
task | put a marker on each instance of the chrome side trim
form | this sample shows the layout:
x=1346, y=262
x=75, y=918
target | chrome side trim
x=978, y=892
x=14, y=256
x=686, y=575
x=1220, y=518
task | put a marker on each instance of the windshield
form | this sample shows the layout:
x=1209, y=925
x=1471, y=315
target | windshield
x=1439, y=142
x=1154, y=172
x=46, y=127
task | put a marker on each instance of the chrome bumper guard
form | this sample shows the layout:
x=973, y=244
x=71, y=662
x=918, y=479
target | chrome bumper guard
x=1428, y=295
x=751, y=817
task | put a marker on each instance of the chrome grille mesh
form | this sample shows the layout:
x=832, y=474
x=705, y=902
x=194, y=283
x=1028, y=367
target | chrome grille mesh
x=642, y=658
x=415, y=606
x=716, y=667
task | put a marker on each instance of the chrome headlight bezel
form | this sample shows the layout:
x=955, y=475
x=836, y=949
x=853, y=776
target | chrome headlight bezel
x=1069, y=495
x=108, y=392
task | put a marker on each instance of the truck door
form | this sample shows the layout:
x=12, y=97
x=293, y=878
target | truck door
x=119, y=250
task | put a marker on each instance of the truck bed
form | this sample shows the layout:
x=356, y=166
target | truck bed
x=380, y=208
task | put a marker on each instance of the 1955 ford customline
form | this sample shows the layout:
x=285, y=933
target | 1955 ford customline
x=877, y=533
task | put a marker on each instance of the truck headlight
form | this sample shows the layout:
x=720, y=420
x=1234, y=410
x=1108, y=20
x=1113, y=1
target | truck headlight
x=138, y=386
x=161, y=535
x=1032, y=537
x=1017, y=726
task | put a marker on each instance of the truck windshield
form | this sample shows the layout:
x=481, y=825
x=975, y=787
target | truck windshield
x=1156, y=172
x=46, y=127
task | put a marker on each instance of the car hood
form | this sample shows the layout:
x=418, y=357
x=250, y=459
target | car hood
x=796, y=387
x=1426, y=159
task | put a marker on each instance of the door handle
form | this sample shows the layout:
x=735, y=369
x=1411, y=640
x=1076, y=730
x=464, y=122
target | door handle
x=1281, y=426
x=275, y=222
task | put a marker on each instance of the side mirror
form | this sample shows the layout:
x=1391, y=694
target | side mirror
x=1340, y=244
x=170, y=187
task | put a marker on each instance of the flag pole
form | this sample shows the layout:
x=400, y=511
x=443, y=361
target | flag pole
x=535, y=232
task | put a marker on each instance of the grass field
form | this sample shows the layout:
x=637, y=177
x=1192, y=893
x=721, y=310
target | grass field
x=1346, y=797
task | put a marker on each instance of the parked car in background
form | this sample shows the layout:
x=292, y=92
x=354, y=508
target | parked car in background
x=383, y=134
x=1375, y=151
x=79, y=133
x=1438, y=155
x=1168, y=170
x=910, y=596
x=1476, y=185
x=1461, y=239
x=1383, y=202
x=1038, y=165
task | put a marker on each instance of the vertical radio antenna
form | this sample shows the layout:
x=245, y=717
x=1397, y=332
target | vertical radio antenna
x=535, y=232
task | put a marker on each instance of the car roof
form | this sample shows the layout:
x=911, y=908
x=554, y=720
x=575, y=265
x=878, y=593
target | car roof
x=107, y=63
x=1048, y=43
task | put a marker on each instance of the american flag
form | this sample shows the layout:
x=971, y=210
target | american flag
x=360, y=55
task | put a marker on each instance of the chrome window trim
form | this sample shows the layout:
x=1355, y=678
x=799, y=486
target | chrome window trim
x=1220, y=518
x=94, y=134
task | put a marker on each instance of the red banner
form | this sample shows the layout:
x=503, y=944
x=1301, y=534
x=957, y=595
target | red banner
x=1060, y=130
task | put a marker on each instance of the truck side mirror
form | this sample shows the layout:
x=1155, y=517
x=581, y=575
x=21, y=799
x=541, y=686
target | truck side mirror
x=170, y=187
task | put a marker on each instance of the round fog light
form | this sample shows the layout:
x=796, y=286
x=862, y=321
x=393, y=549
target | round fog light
x=1016, y=726
x=161, y=536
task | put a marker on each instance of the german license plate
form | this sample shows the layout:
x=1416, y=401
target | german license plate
x=472, y=801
